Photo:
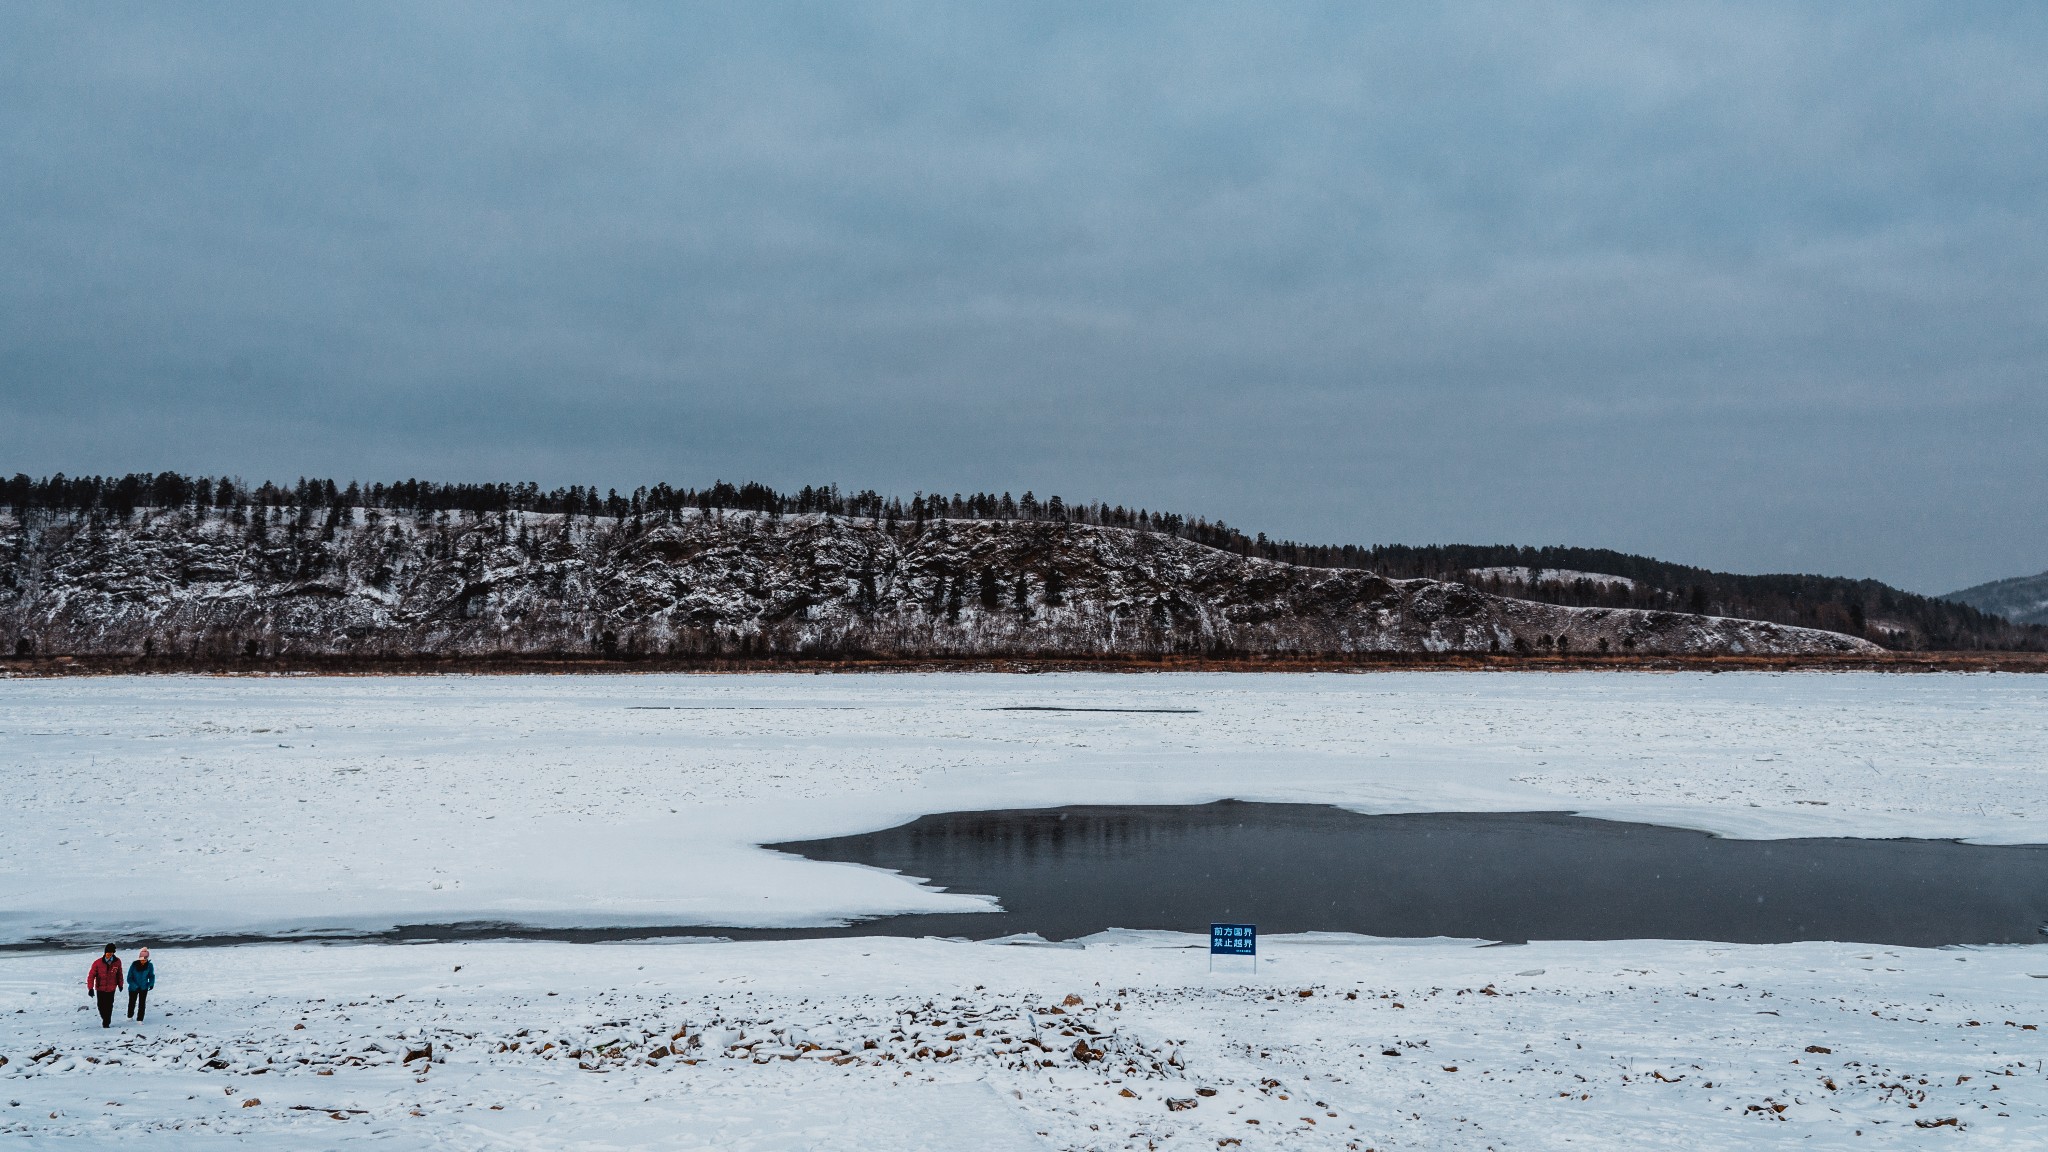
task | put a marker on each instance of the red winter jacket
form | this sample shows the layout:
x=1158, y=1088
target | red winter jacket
x=105, y=975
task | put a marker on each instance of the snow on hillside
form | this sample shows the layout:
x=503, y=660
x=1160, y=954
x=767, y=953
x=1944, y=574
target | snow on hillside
x=1550, y=576
x=229, y=804
x=396, y=584
x=2021, y=599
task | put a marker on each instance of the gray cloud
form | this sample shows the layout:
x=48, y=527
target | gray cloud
x=1741, y=285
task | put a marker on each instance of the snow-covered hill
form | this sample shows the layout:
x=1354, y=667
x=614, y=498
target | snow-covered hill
x=2021, y=599
x=370, y=583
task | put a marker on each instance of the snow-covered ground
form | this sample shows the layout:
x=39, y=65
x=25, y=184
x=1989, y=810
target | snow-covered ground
x=1127, y=1042
x=210, y=804
x=188, y=805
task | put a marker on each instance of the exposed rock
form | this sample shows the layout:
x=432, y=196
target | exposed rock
x=178, y=584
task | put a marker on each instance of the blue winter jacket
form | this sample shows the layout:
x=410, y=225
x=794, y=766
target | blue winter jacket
x=141, y=976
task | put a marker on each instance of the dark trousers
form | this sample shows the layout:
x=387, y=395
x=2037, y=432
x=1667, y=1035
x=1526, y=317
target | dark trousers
x=106, y=1001
x=138, y=1003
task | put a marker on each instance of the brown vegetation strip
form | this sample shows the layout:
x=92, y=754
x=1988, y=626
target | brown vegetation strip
x=1375, y=662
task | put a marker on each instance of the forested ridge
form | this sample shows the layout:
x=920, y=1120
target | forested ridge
x=1557, y=575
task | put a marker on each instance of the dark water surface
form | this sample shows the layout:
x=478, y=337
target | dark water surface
x=1067, y=872
x=1511, y=876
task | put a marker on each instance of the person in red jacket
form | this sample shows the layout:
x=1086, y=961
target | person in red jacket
x=102, y=982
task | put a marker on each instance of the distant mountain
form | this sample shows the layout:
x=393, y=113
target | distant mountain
x=2021, y=599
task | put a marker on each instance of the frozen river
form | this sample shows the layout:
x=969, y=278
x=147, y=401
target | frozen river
x=584, y=806
x=192, y=805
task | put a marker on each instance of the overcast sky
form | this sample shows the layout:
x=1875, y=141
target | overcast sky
x=1759, y=287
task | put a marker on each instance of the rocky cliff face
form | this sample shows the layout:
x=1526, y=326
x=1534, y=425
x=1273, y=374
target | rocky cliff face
x=368, y=584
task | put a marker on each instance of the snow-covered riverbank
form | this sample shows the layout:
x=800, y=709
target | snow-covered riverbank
x=1126, y=1042
x=189, y=805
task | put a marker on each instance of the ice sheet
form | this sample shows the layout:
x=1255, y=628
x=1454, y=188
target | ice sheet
x=194, y=804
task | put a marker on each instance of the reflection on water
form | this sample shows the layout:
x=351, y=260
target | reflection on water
x=1066, y=872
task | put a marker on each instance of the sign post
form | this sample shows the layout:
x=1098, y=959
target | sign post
x=1234, y=940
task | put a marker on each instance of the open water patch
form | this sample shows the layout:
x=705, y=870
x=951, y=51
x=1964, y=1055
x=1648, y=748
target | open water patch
x=1064, y=873
x=1511, y=876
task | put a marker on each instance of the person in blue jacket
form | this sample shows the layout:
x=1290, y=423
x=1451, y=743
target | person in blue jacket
x=141, y=978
